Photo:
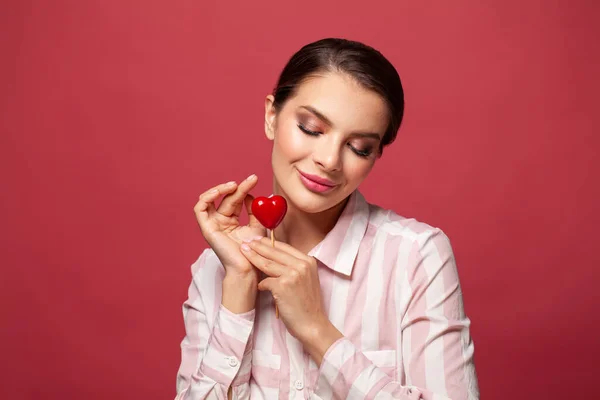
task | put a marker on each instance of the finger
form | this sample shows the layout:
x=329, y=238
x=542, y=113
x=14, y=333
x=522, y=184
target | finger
x=205, y=204
x=232, y=204
x=252, y=220
x=269, y=284
x=269, y=267
x=286, y=248
x=263, y=248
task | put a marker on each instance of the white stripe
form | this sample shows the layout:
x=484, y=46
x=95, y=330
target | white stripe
x=237, y=329
x=395, y=228
x=382, y=358
x=204, y=302
x=264, y=359
x=205, y=281
x=264, y=334
x=339, y=295
x=259, y=392
x=216, y=360
x=384, y=396
x=370, y=315
x=352, y=240
x=296, y=361
x=437, y=396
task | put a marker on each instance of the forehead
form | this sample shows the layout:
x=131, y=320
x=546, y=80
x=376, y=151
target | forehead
x=348, y=105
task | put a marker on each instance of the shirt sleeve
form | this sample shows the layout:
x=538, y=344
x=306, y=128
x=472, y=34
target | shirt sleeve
x=216, y=350
x=437, y=351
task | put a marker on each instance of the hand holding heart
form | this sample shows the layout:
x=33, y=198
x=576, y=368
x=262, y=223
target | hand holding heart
x=292, y=276
x=293, y=280
x=220, y=224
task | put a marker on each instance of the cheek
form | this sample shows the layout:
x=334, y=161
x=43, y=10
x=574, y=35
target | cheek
x=357, y=169
x=291, y=143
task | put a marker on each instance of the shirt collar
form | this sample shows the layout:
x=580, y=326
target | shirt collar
x=339, y=248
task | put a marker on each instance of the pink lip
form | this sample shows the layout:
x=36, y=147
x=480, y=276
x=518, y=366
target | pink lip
x=318, y=179
x=315, y=183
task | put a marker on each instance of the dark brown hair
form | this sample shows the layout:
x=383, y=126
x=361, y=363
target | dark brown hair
x=363, y=63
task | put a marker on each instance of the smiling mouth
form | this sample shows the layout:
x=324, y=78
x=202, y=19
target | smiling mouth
x=318, y=179
x=316, y=184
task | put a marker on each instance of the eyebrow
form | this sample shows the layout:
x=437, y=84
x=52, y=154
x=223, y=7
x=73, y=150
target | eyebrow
x=328, y=122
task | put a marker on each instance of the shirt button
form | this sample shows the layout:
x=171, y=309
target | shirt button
x=233, y=362
x=299, y=385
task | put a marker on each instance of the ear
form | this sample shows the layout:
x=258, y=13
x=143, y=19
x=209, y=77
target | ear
x=270, y=114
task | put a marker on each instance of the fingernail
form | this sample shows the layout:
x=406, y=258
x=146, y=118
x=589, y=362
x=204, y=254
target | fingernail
x=213, y=191
x=251, y=177
x=230, y=183
x=257, y=237
x=245, y=247
x=247, y=240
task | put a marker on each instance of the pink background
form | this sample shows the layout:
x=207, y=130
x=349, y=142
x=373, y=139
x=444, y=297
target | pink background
x=116, y=115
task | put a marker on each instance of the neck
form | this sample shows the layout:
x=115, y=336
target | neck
x=304, y=230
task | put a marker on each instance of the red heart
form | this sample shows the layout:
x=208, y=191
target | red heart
x=269, y=210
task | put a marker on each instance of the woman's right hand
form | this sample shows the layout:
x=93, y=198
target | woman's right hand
x=220, y=225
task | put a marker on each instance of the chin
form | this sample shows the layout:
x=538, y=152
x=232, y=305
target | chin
x=312, y=203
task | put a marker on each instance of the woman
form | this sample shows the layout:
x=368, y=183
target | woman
x=369, y=302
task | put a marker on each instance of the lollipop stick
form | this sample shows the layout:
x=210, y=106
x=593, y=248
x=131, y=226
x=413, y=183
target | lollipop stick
x=273, y=244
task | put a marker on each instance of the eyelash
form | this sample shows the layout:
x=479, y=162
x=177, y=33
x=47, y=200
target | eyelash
x=361, y=153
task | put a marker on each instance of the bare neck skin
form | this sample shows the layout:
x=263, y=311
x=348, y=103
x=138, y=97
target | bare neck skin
x=304, y=230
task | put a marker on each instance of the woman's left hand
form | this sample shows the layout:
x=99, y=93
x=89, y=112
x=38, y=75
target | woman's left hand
x=293, y=280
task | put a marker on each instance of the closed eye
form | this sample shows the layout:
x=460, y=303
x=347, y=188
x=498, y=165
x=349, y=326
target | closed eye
x=308, y=131
x=361, y=153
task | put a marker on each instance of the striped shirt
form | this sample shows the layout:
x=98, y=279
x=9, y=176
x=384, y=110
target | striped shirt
x=389, y=284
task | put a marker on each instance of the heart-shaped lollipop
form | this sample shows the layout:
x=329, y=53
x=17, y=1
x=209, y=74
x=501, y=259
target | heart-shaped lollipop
x=269, y=211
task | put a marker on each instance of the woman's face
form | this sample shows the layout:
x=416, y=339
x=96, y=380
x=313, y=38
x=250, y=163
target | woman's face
x=326, y=140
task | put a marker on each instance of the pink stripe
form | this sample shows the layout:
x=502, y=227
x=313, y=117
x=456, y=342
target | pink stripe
x=453, y=357
x=388, y=330
x=349, y=371
x=326, y=279
x=226, y=344
x=280, y=348
x=405, y=393
x=419, y=328
x=377, y=388
x=215, y=375
x=219, y=275
x=241, y=379
x=191, y=352
x=357, y=292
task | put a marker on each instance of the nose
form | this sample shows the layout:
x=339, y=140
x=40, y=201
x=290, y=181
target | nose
x=327, y=155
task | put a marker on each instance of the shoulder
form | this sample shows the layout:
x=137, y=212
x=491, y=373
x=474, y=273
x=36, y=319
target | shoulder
x=425, y=250
x=419, y=233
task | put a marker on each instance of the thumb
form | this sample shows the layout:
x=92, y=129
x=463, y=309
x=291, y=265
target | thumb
x=269, y=284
